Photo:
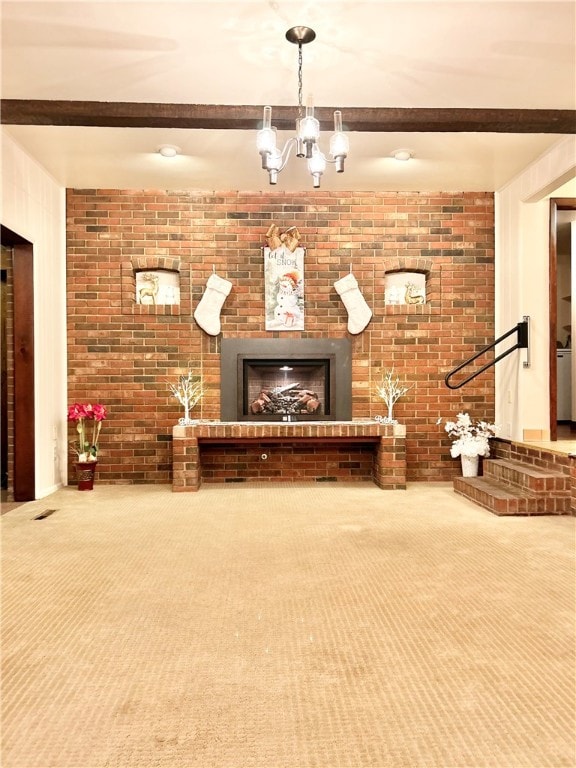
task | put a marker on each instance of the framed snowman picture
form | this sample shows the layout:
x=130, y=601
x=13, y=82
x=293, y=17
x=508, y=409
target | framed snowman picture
x=284, y=288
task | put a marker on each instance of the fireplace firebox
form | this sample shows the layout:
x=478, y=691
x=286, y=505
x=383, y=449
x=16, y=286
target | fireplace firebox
x=286, y=380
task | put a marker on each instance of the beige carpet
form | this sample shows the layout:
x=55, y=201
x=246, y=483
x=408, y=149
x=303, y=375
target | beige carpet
x=266, y=626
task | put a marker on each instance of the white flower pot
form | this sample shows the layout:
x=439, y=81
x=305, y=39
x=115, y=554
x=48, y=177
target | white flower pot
x=469, y=465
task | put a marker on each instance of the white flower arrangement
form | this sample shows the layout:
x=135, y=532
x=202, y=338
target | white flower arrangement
x=471, y=439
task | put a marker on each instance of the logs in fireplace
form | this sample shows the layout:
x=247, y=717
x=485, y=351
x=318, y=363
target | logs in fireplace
x=289, y=399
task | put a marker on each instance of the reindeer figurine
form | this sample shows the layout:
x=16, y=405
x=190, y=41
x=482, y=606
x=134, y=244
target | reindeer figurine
x=413, y=295
x=149, y=290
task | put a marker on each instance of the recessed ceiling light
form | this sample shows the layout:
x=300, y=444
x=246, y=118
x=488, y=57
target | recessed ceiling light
x=402, y=154
x=169, y=150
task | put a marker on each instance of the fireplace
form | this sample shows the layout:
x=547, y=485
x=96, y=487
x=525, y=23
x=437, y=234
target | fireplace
x=286, y=380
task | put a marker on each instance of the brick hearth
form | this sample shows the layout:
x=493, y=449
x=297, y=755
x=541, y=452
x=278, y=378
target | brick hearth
x=232, y=452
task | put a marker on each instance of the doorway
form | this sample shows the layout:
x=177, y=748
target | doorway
x=18, y=412
x=5, y=263
x=561, y=278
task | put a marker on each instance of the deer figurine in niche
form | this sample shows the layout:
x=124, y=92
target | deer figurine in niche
x=150, y=290
x=413, y=295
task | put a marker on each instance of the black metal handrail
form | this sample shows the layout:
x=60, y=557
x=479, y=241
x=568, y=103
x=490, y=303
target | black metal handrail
x=522, y=339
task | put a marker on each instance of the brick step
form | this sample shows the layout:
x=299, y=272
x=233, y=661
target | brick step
x=527, y=477
x=503, y=499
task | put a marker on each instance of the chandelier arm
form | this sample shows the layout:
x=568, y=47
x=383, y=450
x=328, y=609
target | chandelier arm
x=286, y=152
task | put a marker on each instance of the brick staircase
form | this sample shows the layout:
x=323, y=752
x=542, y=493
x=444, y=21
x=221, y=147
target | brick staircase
x=520, y=481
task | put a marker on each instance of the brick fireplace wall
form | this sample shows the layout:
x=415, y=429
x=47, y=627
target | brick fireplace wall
x=125, y=354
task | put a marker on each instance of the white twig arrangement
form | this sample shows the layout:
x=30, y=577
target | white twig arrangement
x=188, y=392
x=390, y=390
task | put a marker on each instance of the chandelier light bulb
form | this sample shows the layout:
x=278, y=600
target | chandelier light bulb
x=339, y=145
x=317, y=163
x=317, y=166
x=309, y=126
x=266, y=144
x=309, y=130
x=274, y=165
x=275, y=160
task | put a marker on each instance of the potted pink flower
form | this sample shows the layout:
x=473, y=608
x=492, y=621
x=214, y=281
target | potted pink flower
x=86, y=447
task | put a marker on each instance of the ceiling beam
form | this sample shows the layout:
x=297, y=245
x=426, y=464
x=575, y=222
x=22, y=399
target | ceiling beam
x=112, y=114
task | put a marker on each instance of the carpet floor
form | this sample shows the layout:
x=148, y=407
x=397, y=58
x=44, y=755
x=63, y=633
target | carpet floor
x=285, y=626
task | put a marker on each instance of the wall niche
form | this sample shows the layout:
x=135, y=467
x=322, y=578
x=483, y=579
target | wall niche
x=404, y=288
x=159, y=286
x=411, y=286
x=155, y=285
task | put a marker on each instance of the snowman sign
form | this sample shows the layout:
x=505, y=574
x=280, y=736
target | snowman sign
x=284, y=288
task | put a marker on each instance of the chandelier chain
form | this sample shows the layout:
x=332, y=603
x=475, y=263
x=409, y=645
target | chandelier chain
x=299, y=80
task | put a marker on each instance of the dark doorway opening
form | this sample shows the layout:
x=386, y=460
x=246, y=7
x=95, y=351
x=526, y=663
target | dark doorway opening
x=556, y=204
x=4, y=374
x=20, y=369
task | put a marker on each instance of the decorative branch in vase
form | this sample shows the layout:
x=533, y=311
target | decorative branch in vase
x=390, y=390
x=188, y=392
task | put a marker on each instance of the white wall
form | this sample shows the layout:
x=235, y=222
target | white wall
x=34, y=206
x=522, y=259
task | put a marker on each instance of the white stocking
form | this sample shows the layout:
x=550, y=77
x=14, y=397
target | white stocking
x=359, y=313
x=207, y=313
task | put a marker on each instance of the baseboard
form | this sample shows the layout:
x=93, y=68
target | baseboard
x=48, y=491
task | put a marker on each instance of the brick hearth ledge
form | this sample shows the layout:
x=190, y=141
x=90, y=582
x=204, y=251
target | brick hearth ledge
x=387, y=441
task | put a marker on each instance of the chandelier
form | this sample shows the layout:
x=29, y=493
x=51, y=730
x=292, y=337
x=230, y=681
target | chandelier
x=307, y=130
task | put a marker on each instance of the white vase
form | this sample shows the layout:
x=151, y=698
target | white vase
x=469, y=465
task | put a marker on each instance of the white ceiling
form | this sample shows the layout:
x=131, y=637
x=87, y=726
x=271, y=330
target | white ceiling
x=461, y=53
